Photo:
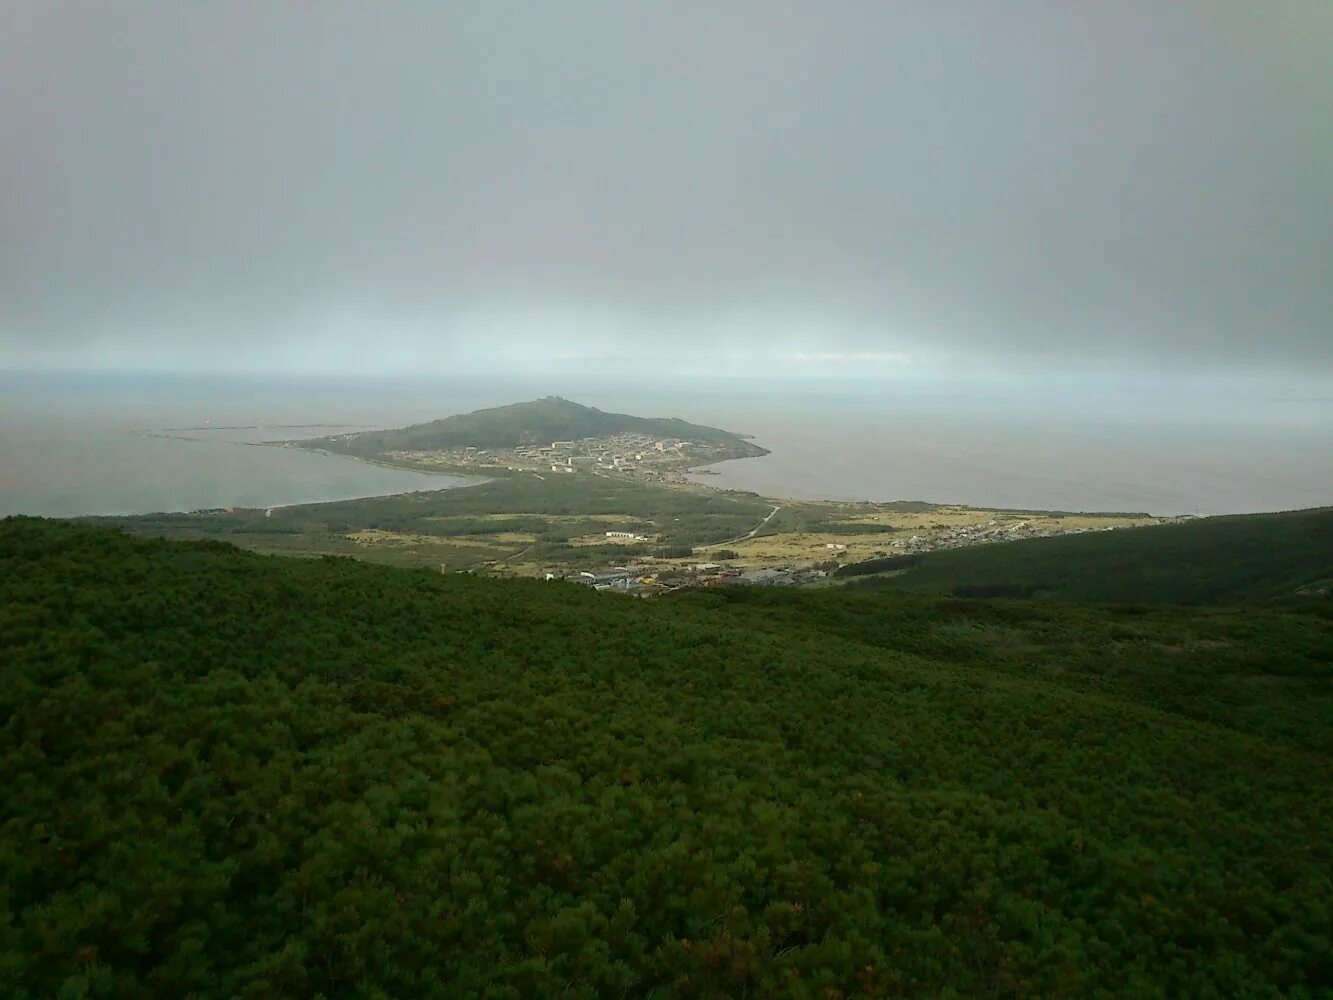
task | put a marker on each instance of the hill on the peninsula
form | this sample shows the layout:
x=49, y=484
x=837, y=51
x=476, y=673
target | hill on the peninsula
x=540, y=421
x=234, y=775
x=1243, y=559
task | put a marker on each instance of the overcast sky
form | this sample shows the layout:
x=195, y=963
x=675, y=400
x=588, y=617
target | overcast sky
x=781, y=186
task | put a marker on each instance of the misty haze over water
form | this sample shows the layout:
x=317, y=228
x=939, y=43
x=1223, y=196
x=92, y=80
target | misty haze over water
x=1021, y=254
x=75, y=444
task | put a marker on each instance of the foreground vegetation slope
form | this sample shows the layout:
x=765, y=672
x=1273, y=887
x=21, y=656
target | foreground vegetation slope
x=231, y=775
x=1252, y=558
x=538, y=422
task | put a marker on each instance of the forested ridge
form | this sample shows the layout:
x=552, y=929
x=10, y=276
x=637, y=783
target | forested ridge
x=1285, y=557
x=234, y=775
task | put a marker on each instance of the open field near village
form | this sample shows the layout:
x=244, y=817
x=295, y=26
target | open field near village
x=850, y=532
x=616, y=501
x=488, y=523
x=523, y=525
x=615, y=496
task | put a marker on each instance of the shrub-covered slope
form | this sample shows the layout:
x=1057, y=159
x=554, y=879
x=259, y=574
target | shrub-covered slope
x=1251, y=558
x=230, y=775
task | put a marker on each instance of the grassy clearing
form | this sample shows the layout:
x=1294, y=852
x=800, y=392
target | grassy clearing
x=791, y=543
x=807, y=546
x=402, y=539
x=565, y=520
x=555, y=519
x=961, y=517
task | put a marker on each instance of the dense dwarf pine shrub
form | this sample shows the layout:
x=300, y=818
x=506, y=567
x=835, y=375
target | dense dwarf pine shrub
x=230, y=775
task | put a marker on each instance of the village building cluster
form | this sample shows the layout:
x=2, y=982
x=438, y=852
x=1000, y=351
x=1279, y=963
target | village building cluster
x=648, y=579
x=979, y=534
x=633, y=455
x=661, y=576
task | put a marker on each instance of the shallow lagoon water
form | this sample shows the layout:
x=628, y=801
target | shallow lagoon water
x=72, y=447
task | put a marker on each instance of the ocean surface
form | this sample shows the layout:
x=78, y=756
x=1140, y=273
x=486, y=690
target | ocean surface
x=122, y=444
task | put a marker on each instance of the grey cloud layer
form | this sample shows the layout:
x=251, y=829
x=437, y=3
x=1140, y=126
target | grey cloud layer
x=1144, y=181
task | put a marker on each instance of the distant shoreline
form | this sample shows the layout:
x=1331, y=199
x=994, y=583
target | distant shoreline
x=705, y=470
x=471, y=480
x=461, y=481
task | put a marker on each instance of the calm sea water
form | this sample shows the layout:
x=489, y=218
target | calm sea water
x=117, y=445
x=136, y=444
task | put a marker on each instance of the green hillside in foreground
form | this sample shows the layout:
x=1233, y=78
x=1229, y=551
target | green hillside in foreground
x=234, y=775
x=1251, y=558
x=540, y=421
